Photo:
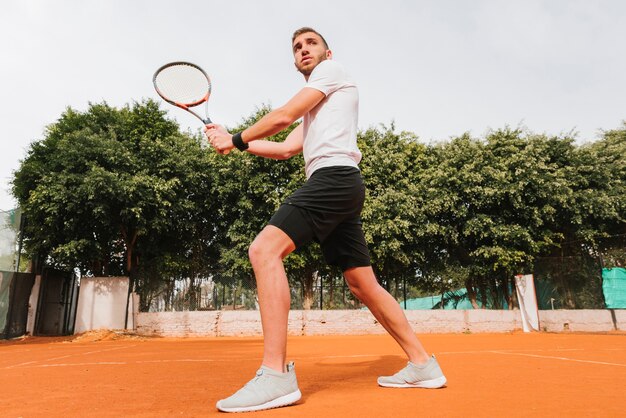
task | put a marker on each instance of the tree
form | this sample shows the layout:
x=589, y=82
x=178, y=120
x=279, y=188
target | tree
x=611, y=151
x=393, y=214
x=123, y=191
x=496, y=203
x=108, y=187
x=591, y=221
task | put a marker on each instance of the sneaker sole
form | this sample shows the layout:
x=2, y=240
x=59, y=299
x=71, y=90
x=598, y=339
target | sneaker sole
x=275, y=403
x=425, y=384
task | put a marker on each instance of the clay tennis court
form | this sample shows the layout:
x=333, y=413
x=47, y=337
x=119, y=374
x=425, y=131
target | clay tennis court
x=489, y=375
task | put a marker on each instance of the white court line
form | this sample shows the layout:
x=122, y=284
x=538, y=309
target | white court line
x=510, y=350
x=69, y=355
x=18, y=351
x=101, y=363
x=559, y=358
x=437, y=353
x=186, y=360
x=106, y=363
x=89, y=352
x=117, y=363
x=500, y=352
x=213, y=360
x=332, y=357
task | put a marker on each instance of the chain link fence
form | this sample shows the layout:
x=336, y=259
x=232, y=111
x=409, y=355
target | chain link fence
x=569, y=278
x=240, y=294
x=9, y=239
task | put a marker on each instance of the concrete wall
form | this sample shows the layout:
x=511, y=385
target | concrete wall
x=33, y=301
x=102, y=304
x=248, y=323
x=585, y=320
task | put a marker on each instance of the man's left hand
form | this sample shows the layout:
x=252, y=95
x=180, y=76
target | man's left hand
x=219, y=138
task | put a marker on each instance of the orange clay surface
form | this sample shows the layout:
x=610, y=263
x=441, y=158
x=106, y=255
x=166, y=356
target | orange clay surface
x=489, y=375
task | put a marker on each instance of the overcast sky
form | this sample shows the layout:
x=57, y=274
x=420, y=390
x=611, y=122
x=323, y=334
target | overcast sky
x=437, y=68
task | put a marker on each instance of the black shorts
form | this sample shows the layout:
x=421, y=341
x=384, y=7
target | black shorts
x=327, y=209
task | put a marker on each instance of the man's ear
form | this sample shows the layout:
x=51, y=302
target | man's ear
x=329, y=54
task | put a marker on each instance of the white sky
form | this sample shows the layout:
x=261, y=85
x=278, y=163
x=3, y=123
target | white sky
x=437, y=68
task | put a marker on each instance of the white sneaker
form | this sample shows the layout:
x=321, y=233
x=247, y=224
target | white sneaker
x=268, y=389
x=427, y=376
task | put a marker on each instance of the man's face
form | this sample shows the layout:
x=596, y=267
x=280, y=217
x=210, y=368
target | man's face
x=308, y=51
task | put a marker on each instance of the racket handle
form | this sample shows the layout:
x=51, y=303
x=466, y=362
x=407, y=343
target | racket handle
x=207, y=121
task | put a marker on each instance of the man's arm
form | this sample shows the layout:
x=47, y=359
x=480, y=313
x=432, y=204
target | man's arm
x=291, y=146
x=270, y=124
x=279, y=119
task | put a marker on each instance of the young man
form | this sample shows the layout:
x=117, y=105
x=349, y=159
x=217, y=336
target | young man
x=326, y=209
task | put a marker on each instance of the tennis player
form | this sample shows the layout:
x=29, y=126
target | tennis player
x=325, y=209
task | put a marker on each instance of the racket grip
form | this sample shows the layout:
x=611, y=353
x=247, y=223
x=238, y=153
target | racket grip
x=207, y=121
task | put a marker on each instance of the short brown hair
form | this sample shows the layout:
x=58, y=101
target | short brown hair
x=306, y=30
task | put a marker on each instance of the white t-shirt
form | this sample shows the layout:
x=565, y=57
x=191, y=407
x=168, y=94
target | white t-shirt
x=330, y=128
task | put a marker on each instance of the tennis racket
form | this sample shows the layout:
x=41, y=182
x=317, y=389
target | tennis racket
x=184, y=85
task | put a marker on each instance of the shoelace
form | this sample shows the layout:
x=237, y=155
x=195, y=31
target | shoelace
x=259, y=375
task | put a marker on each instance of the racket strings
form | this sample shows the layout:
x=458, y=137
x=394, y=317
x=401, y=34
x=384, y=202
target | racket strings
x=183, y=84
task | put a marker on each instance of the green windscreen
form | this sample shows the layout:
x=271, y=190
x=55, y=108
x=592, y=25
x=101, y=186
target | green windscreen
x=614, y=287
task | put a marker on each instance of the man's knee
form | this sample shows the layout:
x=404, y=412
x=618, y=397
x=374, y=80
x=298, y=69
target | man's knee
x=270, y=243
x=362, y=282
x=255, y=251
x=355, y=290
x=260, y=249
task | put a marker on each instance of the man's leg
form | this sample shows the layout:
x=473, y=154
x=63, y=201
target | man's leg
x=386, y=310
x=274, y=385
x=267, y=252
